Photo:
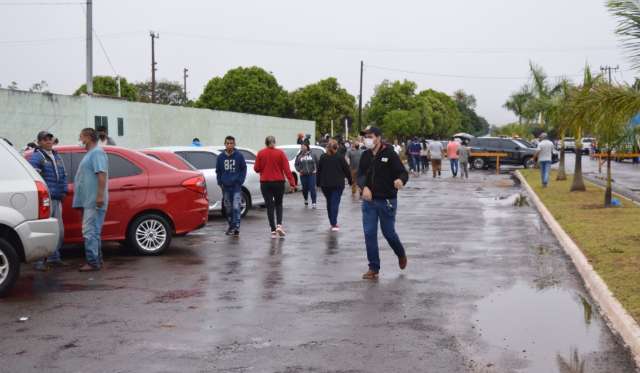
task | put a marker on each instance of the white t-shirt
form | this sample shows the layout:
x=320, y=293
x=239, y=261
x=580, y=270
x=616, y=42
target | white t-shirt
x=545, y=150
x=435, y=149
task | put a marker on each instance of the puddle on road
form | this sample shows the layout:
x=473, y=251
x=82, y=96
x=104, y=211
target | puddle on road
x=547, y=328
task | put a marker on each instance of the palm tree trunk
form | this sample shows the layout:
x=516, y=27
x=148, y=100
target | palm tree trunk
x=608, y=192
x=578, y=181
x=562, y=174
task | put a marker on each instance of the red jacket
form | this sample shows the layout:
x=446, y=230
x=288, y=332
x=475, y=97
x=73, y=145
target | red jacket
x=272, y=165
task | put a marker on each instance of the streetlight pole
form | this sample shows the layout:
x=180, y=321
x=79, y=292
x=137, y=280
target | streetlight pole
x=184, y=77
x=360, y=98
x=89, y=47
x=154, y=36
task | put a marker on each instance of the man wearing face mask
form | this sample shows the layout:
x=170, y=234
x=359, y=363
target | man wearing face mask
x=380, y=175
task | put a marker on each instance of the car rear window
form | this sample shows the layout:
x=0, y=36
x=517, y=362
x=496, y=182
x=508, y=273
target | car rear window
x=121, y=167
x=200, y=160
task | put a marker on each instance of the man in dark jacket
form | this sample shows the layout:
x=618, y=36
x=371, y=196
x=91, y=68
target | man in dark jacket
x=231, y=171
x=380, y=175
x=49, y=165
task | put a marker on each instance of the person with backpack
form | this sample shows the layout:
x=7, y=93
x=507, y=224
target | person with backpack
x=48, y=163
x=332, y=171
x=306, y=165
x=231, y=172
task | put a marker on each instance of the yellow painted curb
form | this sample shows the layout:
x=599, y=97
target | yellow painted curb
x=616, y=316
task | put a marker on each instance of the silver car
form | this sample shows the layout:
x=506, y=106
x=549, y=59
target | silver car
x=204, y=160
x=27, y=231
x=292, y=151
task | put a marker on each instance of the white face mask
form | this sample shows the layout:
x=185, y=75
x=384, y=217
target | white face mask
x=368, y=143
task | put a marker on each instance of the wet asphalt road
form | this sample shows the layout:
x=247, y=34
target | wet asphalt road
x=487, y=289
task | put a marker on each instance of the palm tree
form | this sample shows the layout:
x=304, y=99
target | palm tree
x=577, y=117
x=558, y=114
x=543, y=93
x=519, y=102
x=628, y=14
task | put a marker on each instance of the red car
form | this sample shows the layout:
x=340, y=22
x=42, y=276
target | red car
x=149, y=201
x=170, y=158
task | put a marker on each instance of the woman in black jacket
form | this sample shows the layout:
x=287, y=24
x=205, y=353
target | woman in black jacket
x=332, y=170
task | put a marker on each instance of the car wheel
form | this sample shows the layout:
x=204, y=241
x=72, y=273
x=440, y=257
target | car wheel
x=9, y=267
x=479, y=163
x=149, y=234
x=529, y=163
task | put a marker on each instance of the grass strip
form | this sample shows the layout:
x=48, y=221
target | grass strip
x=609, y=237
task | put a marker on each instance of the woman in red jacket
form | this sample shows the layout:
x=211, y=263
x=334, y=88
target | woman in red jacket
x=272, y=165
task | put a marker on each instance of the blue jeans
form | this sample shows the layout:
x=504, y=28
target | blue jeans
x=385, y=211
x=545, y=169
x=417, y=162
x=308, y=187
x=232, y=201
x=92, y=221
x=454, y=167
x=56, y=212
x=333, y=196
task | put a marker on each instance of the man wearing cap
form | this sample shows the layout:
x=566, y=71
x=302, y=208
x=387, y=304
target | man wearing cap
x=544, y=156
x=50, y=166
x=380, y=175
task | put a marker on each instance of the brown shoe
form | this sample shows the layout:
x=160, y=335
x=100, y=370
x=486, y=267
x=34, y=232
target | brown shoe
x=370, y=275
x=88, y=268
x=402, y=262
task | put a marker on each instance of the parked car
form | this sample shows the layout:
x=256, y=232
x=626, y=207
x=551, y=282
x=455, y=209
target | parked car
x=149, y=201
x=292, y=151
x=587, y=144
x=519, y=153
x=204, y=160
x=27, y=231
x=170, y=158
x=569, y=144
x=249, y=154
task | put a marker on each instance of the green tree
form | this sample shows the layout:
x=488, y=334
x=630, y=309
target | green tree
x=167, y=93
x=322, y=102
x=107, y=85
x=445, y=116
x=461, y=97
x=389, y=96
x=559, y=107
x=519, y=103
x=249, y=90
x=401, y=124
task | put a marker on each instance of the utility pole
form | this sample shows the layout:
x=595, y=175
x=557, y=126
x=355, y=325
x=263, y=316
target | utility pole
x=346, y=129
x=154, y=36
x=609, y=69
x=360, y=98
x=89, y=47
x=331, y=127
x=118, y=86
x=184, y=77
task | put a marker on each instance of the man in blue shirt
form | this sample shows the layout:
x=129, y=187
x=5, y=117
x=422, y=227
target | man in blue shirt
x=50, y=166
x=231, y=171
x=92, y=196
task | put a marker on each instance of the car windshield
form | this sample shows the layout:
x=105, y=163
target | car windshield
x=524, y=143
x=291, y=153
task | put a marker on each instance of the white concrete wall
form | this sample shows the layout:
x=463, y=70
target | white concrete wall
x=24, y=114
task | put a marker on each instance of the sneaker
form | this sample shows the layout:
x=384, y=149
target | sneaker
x=370, y=275
x=306, y=203
x=88, y=268
x=280, y=231
x=236, y=233
x=313, y=206
x=402, y=262
x=335, y=228
x=229, y=232
x=274, y=234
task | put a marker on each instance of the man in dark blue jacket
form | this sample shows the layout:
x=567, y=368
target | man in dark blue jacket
x=231, y=171
x=49, y=165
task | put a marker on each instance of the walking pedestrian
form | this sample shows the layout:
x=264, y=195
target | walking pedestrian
x=354, y=155
x=463, y=156
x=47, y=162
x=544, y=156
x=424, y=156
x=332, y=170
x=414, y=153
x=103, y=137
x=436, y=153
x=273, y=166
x=452, y=154
x=381, y=175
x=307, y=165
x=92, y=196
x=231, y=171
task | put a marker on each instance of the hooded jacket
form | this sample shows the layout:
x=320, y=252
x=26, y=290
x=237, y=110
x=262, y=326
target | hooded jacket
x=54, y=175
x=231, y=170
x=378, y=172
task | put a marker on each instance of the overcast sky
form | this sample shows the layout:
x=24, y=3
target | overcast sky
x=470, y=44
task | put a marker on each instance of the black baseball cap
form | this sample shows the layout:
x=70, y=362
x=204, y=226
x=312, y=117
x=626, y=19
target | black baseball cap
x=370, y=129
x=43, y=135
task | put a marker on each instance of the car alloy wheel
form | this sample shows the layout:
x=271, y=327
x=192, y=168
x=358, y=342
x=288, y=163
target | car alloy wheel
x=9, y=266
x=151, y=235
x=4, y=267
x=244, y=204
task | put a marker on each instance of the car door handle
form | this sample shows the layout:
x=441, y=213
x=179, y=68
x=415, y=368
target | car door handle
x=129, y=186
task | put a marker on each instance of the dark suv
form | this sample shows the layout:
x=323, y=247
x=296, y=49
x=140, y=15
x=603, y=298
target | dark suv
x=519, y=152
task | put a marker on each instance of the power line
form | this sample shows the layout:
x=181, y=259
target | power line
x=37, y=3
x=65, y=38
x=461, y=76
x=104, y=50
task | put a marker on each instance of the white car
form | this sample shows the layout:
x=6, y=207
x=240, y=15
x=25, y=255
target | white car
x=249, y=154
x=292, y=151
x=204, y=160
x=27, y=231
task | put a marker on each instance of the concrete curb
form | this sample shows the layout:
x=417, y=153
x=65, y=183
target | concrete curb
x=618, y=319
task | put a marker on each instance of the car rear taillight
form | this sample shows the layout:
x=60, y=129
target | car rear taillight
x=196, y=184
x=44, y=201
